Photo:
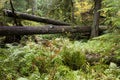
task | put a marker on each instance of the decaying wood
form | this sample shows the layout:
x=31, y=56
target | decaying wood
x=94, y=58
x=25, y=16
x=13, y=38
x=48, y=29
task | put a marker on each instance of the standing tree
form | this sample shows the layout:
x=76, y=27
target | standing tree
x=95, y=26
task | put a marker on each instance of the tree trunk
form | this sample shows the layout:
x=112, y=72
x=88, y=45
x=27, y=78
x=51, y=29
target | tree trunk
x=13, y=38
x=33, y=18
x=95, y=26
x=94, y=58
x=49, y=29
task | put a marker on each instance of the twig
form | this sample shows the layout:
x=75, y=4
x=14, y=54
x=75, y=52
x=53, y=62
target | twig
x=13, y=11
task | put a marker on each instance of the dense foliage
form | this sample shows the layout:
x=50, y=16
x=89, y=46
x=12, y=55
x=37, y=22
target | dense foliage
x=57, y=57
x=60, y=59
x=78, y=12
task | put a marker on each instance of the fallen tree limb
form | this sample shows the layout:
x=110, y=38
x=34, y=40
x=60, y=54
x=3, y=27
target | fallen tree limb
x=49, y=29
x=94, y=58
x=33, y=18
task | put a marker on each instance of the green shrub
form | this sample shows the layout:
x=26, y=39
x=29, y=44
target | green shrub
x=73, y=56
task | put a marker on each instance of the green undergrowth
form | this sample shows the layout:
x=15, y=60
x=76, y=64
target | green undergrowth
x=61, y=59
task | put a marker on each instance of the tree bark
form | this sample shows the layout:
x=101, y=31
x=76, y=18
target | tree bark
x=33, y=18
x=48, y=29
x=13, y=38
x=94, y=58
x=95, y=26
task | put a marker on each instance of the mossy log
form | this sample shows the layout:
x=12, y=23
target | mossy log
x=26, y=16
x=47, y=29
x=95, y=58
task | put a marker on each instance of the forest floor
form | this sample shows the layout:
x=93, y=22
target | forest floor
x=59, y=58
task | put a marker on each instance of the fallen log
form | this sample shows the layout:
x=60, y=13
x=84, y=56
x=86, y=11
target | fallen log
x=48, y=29
x=91, y=59
x=25, y=16
x=94, y=58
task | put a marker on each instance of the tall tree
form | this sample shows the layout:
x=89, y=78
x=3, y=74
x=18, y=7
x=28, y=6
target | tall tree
x=95, y=26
